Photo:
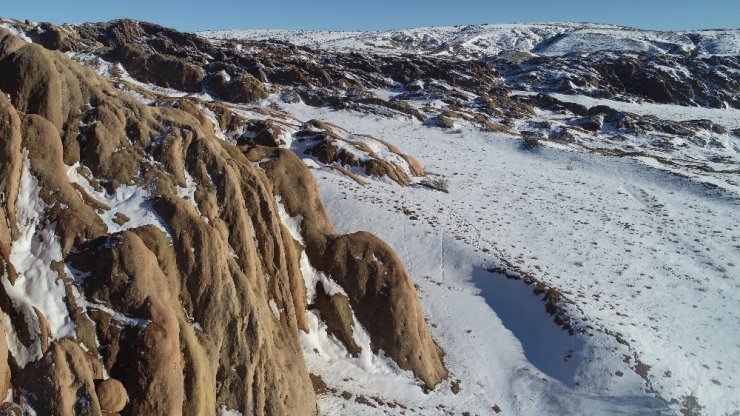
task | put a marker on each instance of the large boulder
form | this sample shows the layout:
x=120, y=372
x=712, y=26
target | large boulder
x=112, y=396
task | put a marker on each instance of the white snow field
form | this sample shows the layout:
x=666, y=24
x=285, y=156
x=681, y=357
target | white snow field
x=727, y=117
x=647, y=260
x=490, y=39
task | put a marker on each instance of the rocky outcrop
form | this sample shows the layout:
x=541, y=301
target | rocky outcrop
x=379, y=290
x=243, y=89
x=171, y=284
x=63, y=380
x=385, y=302
x=159, y=69
x=333, y=145
x=337, y=313
x=662, y=78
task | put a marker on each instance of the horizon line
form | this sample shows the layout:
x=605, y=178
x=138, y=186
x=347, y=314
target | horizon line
x=533, y=23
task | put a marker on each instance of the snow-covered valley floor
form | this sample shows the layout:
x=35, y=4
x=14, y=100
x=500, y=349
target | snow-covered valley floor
x=648, y=259
x=728, y=117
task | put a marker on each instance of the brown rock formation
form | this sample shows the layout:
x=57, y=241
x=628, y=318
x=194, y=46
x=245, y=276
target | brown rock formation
x=160, y=69
x=177, y=310
x=380, y=292
x=327, y=150
x=111, y=395
x=4, y=368
x=61, y=378
x=10, y=173
x=337, y=313
x=385, y=302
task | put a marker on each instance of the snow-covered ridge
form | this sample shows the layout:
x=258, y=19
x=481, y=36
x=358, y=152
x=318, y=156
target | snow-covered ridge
x=487, y=40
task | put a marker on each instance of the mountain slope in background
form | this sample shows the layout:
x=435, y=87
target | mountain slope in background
x=479, y=41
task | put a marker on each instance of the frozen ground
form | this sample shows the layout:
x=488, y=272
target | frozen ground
x=728, y=117
x=643, y=254
x=541, y=38
x=707, y=157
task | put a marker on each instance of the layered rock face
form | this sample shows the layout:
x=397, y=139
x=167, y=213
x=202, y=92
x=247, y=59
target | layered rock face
x=145, y=265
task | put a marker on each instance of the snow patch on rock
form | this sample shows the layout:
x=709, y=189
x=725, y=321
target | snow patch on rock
x=37, y=285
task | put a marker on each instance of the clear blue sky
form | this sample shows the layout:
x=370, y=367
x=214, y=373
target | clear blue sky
x=192, y=15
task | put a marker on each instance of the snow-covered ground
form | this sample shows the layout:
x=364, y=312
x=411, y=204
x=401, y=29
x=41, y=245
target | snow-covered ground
x=644, y=255
x=487, y=40
x=707, y=157
x=727, y=117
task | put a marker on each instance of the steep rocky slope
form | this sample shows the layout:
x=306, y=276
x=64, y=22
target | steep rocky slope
x=146, y=262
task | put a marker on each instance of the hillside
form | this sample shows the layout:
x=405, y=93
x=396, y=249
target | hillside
x=479, y=41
